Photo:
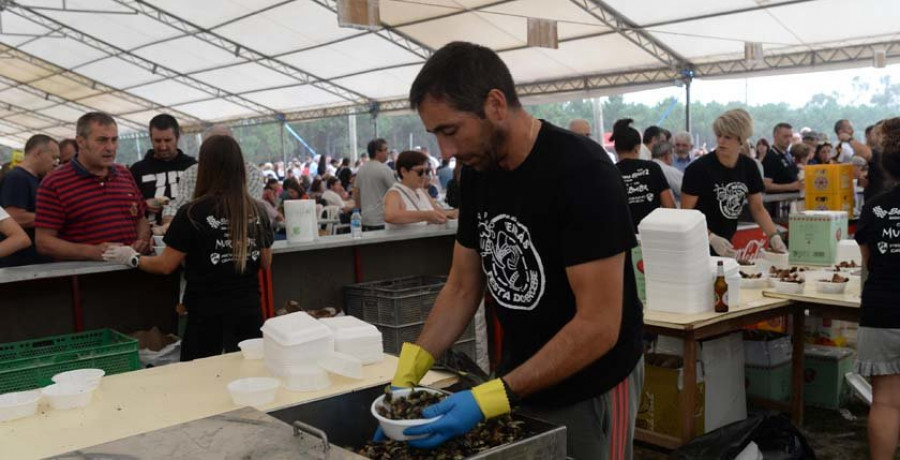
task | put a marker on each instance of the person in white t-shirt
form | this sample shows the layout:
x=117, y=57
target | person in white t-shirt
x=847, y=146
x=407, y=203
x=14, y=238
x=334, y=194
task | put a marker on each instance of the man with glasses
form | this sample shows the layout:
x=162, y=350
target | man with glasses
x=18, y=193
x=373, y=180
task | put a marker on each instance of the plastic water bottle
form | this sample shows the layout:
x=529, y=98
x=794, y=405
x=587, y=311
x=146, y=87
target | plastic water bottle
x=356, y=224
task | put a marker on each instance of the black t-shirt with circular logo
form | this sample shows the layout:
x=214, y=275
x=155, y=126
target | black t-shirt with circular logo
x=722, y=192
x=527, y=236
x=644, y=181
x=879, y=229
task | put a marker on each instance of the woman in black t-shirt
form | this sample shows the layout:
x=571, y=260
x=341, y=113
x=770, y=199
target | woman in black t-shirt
x=878, y=341
x=645, y=182
x=722, y=182
x=224, y=238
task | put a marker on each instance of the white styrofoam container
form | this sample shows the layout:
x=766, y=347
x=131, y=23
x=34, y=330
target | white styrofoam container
x=668, y=221
x=19, y=404
x=681, y=242
x=293, y=340
x=306, y=378
x=768, y=353
x=342, y=364
x=295, y=329
x=679, y=297
x=357, y=338
x=90, y=377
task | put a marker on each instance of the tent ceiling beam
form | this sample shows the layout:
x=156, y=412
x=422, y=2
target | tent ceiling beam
x=628, y=29
x=132, y=58
x=242, y=51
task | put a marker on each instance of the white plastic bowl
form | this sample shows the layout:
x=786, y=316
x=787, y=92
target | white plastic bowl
x=158, y=250
x=19, y=404
x=785, y=287
x=393, y=429
x=306, y=378
x=751, y=269
x=69, y=395
x=89, y=377
x=158, y=240
x=754, y=283
x=252, y=348
x=253, y=391
x=828, y=287
x=342, y=364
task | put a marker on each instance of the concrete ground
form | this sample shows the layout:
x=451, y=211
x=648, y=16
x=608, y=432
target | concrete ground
x=833, y=435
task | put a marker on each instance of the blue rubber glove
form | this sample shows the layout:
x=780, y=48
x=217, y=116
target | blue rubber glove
x=460, y=413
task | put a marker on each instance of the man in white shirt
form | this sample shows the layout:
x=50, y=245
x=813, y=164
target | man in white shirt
x=373, y=181
x=652, y=135
x=848, y=146
x=333, y=195
x=663, y=154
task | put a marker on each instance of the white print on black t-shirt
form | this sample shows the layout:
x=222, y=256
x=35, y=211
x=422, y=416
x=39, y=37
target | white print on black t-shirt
x=638, y=192
x=223, y=249
x=163, y=180
x=731, y=198
x=515, y=273
x=888, y=233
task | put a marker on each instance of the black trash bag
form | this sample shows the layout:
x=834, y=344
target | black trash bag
x=776, y=436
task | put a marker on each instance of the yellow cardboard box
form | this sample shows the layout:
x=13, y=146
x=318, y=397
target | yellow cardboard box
x=828, y=179
x=843, y=201
x=661, y=397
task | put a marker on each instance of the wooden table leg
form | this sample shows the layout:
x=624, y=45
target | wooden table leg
x=689, y=388
x=797, y=368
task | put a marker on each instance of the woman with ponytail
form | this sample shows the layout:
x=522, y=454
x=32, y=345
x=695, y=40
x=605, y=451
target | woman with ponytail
x=878, y=340
x=224, y=237
x=645, y=181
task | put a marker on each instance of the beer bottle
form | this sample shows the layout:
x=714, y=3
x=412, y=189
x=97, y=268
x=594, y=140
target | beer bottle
x=721, y=289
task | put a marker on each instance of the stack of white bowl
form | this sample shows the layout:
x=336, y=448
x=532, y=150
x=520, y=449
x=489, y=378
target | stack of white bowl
x=357, y=338
x=675, y=248
x=295, y=340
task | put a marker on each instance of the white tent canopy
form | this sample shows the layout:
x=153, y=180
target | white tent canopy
x=208, y=61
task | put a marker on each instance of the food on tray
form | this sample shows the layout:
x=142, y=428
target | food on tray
x=409, y=407
x=847, y=264
x=488, y=434
x=750, y=276
x=836, y=279
x=776, y=272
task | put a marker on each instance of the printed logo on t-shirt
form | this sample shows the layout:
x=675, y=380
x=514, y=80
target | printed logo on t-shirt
x=731, y=198
x=636, y=187
x=164, y=180
x=511, y=263
x=890, y=232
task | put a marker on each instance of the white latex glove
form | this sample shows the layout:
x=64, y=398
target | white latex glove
x=777, y=244
x=123, y=255
x=723, y=247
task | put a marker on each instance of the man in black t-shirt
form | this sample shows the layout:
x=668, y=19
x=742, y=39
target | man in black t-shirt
x=555, y=260
x=158, y=174
x=779, y=167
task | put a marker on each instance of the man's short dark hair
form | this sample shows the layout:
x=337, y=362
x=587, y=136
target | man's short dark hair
x=869, y=129
x=661, y=149
x=780, y=126
x=66, y=142
x=375, y=145
x=331, y=181
x=165, y=121
x=462, y=74
x=838, y=124
x=83, y=126
x=651, y=132
x=810, y=136
x=38, y=141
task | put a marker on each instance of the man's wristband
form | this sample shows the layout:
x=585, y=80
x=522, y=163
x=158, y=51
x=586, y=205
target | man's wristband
x=134, y=261
x=511, y=396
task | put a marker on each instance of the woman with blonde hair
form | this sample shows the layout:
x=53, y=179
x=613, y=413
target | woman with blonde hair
x=224, y=237
x=721, y=183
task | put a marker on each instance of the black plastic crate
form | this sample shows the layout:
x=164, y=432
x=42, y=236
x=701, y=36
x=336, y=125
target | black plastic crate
x=392, y=338
x=397, y=302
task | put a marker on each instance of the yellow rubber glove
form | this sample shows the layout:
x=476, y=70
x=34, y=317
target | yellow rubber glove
x=492, y=398
x=415, y=361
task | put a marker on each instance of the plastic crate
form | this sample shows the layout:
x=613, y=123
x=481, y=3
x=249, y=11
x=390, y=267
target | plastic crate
x=396, y=302
x=392, y=338
x=31, y=363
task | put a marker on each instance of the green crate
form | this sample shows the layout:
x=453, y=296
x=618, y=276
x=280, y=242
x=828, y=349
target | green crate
x=770, y=383
x=30, y=364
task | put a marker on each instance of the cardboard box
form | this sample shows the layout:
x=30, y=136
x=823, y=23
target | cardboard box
x=823, y=375
x=825, y=331
x=769, y=382
x=841, y=201
x=661, y=396
x=814, y=235
x=828, y=178
x=767, y=349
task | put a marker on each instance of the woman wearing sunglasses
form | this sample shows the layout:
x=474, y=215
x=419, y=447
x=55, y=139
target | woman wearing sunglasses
x=407, y=203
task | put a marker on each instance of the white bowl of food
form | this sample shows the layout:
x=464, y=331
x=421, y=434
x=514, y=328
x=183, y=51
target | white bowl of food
x=69, y=395
x=749, y=267
x=90, y=377
x=253, y=391
x=19, y=404
x=393, y=428
x=789, y=285
x=753, y=280
x=837, y=284
x=849, y=267
x=252, y=348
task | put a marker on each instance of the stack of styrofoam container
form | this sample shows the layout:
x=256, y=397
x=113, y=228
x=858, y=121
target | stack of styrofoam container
x=294, y=340
x=357, y=338
x=675, y=247
x=732, y=278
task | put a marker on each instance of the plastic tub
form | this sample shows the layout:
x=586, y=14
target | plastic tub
x=18, y=404
x=306, y=378
x=90, y=377
x=828, y=287
x=342, y=364
x=393, y=429
x=754, y=283
x=253, y=391
x=69, y=395
x=252, y=348
x=158, y=240
x=785, y=287
x=158, y=250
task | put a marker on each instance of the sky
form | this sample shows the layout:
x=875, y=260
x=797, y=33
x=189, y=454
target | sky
x=796, y=90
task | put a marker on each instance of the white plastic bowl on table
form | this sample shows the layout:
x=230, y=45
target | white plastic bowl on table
x=19, y=404
x=306, y=378
x=828, y=287
x=69, y=395
x=342, y=364
x=295, y=339
x=754, y=283
x=253, y=391
x=393, y=429
x=252, y=348
x=90, y=377
x=785, y=287
x=751, y=269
